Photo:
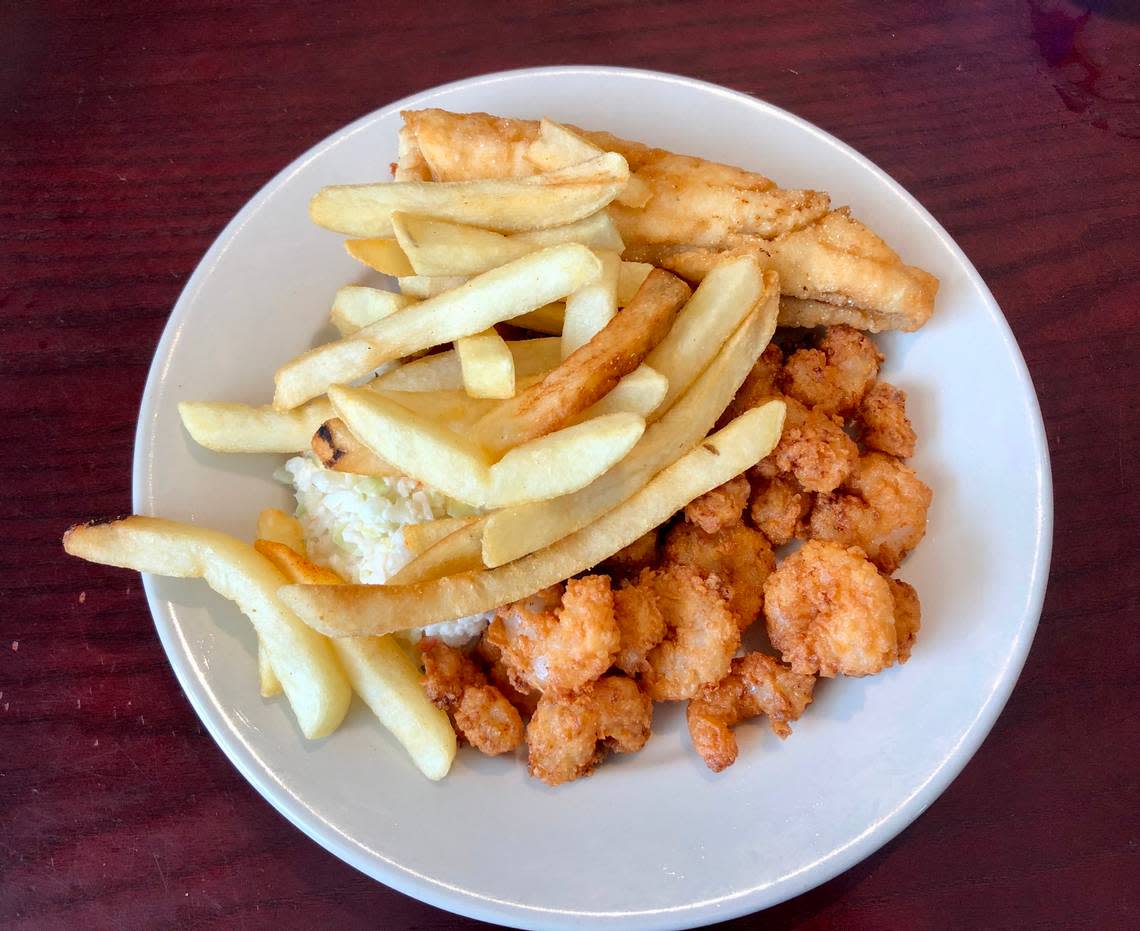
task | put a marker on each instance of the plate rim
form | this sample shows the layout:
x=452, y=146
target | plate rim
x=516, y=914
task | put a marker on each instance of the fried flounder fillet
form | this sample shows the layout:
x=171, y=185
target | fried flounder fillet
x=832, y=268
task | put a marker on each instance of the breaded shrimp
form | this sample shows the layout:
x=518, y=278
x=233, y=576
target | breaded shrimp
x=757, y=684
x=642, y=553
x=760, y=385
x=490, y=723
x=741, y=559
x=480, y=712
x=563, y=649
x=720, y=507
x=780, y=507
x=641, y=624
x=829, y=611
x=881, y=508
x=702, y=636
x=814, y=448
x=499, y=676
x=834, y=377
x=883, y=422
x=568, y=737
x=908, y=616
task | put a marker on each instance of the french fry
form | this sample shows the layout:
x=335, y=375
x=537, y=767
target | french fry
x=423, y=287
x=303, y=660
x=383, y=675
x=630, y=279
x=459, y=551
x=514, y=532
x=558, y=147
x=382, y=255
x=715, y=310
x=590, y=308
x=337, y=449
x=350, y=610
x=455, y=409
x=591, y=372
x=273, y=524
x=492, y=297
x=243, y=428
x=355, y=307
x=562, y=462
x=539, y=202
x=441, y=371
x=546, y=319
x=596, y=231
x=422, y=536
x=487, y=365
x=434, y=247
x=640, y=392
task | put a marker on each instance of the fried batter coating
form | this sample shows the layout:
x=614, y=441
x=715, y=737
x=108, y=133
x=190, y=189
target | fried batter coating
x=702, y=632
x=559, y=649
x=642, y=553
x=908, y=616
x=829, y=611
x=741, y=559
x=720, y=507
x=883, y=422
x=881, y=508
x=780, y=507
x=480, y=712
x=568, y=737
x=499, y=676
x=490, y=723
x=814, y=448
x=760, y=385
x=757, y=684
x=641, y=624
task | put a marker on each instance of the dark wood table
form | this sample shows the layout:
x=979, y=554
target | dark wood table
x=131, y=132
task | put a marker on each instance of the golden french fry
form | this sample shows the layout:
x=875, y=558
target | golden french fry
x=422, y=287
x=590, y=308
x=514, y=532
x=491, y=298
x=441, y=370
x=455, y=409
x=640, y=392
x=243, y=428
x=459, y=551
x=337, y=449
x=275, y=525
x=487, y=365
x=418, y=538
x=382, y=255
x=416, y=446
x=383, y=675
x=562, y=462
x=596, y=231
x=546, y=319
x=630, y=279
x=722, y=300
x=591, y=372
x=558, y=147
x=539, y=202
x=349, y=610
x=303, y=659
x=355, y=307
x=435, y=247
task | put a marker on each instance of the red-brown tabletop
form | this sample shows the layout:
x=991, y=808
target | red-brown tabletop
x=131, y=132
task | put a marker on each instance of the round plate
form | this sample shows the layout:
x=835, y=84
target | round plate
x=652, y=839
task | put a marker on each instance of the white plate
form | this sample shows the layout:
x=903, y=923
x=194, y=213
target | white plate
x=653, y=839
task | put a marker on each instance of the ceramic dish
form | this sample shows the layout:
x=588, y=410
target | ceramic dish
x=653, y=839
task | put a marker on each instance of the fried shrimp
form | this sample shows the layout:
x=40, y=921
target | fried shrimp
x=813, y=448
x=833, y=377
x=568, y=737
x=881, y=508
x=883, y=423
x=829, y=611
x=739, y=557
x=720, y=507
x=641, y=624
x=702, y=632
x=760, y=385
x=480, y=712
x=780, y=507
x=908, y=616
x=642, y=553
x=757, y=684
x=558, y=649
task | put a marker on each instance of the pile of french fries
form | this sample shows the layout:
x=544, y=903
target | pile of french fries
x=567, y=446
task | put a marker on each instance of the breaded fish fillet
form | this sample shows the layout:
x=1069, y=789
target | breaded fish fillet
x=832, y=268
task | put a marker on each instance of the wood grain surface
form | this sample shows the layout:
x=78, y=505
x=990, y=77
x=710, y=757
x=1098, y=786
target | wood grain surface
x=131, y=132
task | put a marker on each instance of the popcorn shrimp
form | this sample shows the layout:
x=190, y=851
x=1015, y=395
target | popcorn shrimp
x=908, y=616
x=757, y=684
x=641, y=624
x=834, y=377
x=780, y=507
x=883, y=423
x=829, y=611
x=720, y=507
